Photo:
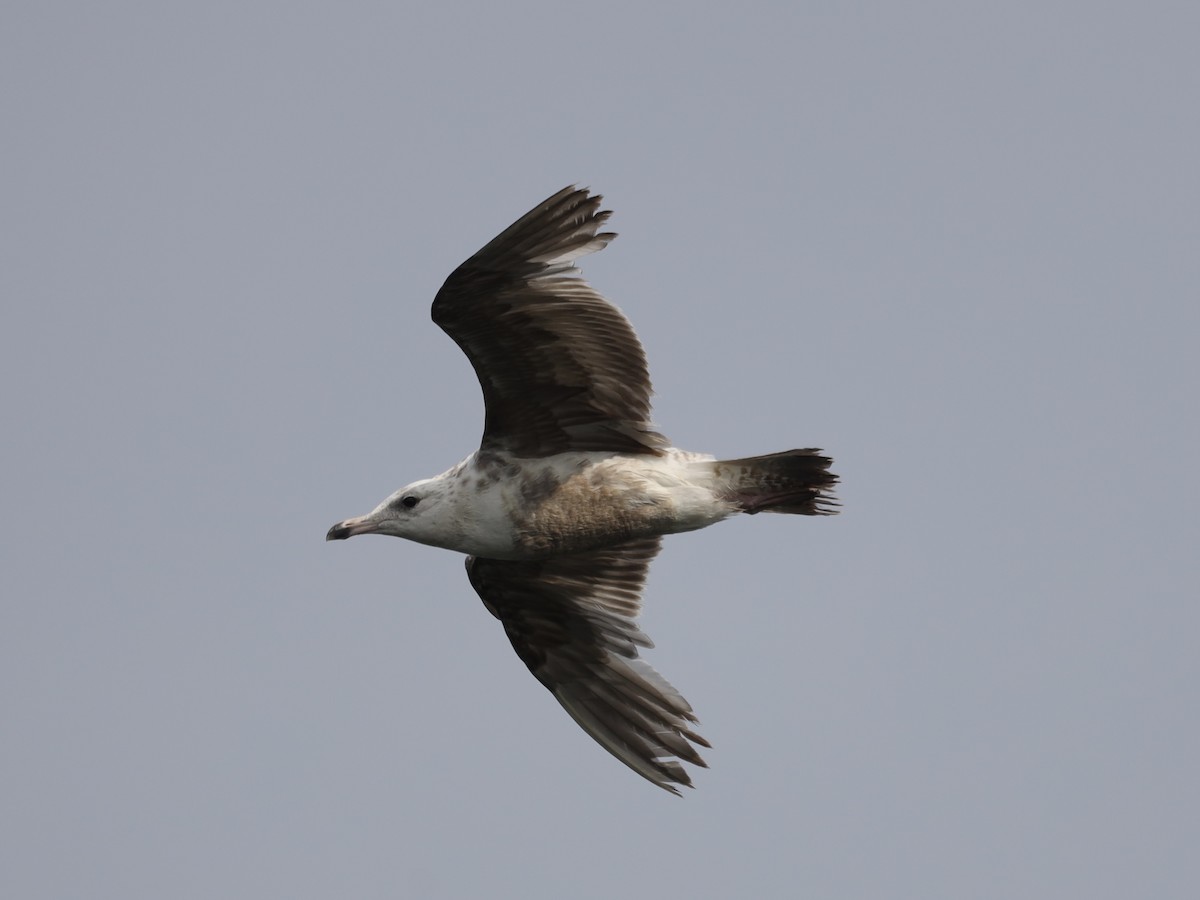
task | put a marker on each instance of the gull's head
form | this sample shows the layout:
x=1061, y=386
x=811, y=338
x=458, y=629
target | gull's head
x=416, y=512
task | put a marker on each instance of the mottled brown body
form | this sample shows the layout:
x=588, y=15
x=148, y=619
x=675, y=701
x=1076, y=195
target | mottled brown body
x=599, y=506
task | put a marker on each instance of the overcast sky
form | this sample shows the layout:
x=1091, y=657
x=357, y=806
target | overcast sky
x=957, y=245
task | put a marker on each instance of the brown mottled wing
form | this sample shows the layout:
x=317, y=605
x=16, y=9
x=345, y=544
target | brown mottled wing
x=560, y=366
x=572, y=620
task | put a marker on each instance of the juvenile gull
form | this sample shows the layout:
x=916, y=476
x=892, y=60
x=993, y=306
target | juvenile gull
x=564, y=504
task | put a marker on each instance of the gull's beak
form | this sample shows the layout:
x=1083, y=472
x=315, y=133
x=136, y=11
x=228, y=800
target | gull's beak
x=349, y=528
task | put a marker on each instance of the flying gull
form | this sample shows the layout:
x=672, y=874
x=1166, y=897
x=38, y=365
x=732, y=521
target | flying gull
x=564, y=504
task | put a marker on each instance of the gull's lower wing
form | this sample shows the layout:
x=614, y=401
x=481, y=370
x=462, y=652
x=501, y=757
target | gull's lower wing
x=571, y=619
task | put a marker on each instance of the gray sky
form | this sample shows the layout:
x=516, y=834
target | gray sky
x=956, y=245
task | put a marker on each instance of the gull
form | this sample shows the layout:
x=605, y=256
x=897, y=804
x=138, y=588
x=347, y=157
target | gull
x=564, y=505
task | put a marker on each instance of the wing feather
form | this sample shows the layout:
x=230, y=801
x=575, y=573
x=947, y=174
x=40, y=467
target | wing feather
x=560, y=367
x=571, y=619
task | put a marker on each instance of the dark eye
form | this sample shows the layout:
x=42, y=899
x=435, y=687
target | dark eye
x=410, y=501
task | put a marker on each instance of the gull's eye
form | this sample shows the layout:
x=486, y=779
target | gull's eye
x=410, y=501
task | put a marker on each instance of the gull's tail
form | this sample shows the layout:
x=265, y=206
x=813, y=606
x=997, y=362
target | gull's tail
x=793, y=481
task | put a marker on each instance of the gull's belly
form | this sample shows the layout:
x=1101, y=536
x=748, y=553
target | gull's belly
x=607, y=502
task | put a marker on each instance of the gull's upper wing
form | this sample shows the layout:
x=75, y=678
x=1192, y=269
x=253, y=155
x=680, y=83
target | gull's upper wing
x=571, y=619
x=560, y=366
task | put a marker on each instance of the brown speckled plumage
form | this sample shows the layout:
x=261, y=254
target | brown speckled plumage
x=564, y=505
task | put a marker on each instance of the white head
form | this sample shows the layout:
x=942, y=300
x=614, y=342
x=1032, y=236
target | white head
x=421, y=511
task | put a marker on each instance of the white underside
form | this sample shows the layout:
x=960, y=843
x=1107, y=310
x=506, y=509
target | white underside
x=667, y=494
